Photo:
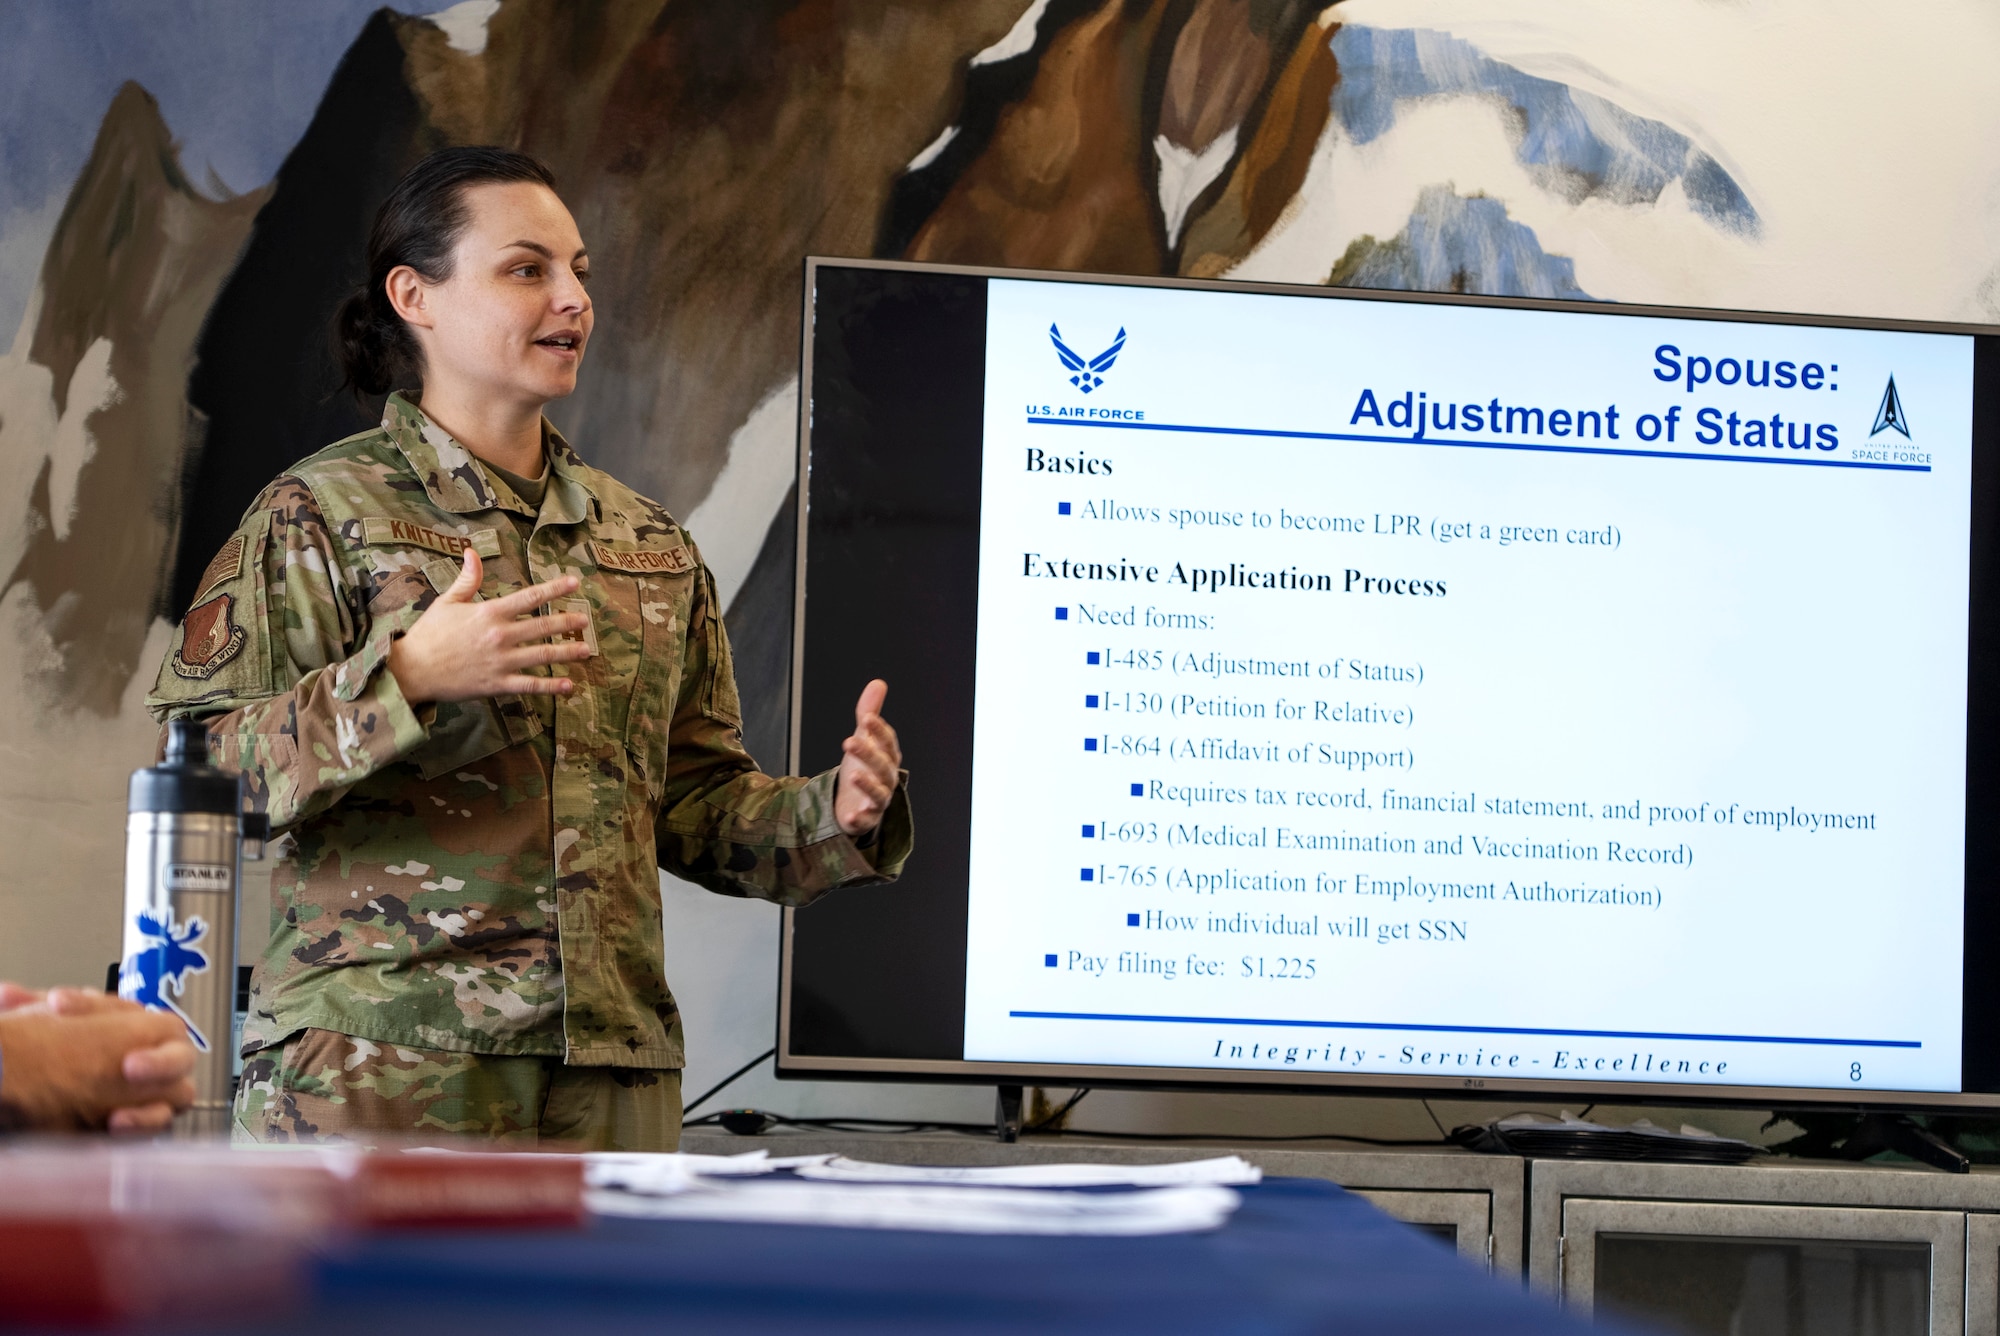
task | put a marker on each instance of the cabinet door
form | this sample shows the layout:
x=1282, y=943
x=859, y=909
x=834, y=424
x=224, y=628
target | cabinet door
x=1702, y=1267
x=1982, y=1275
x=1463, y=1219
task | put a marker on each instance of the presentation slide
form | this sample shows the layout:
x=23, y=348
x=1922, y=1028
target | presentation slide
x=1445, y=691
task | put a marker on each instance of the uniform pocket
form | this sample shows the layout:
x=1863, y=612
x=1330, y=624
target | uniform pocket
x=465, y=731
x=654, y=607
x=719, y=700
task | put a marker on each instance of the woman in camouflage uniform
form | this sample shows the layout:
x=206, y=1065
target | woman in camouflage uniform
x=484, y=691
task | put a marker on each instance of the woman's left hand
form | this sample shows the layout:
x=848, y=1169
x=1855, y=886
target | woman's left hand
x=868, y=768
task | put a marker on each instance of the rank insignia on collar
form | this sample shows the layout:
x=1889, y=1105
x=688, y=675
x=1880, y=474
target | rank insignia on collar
x=210, y=638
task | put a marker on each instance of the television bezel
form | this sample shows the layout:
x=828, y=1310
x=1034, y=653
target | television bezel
x=795, y=1066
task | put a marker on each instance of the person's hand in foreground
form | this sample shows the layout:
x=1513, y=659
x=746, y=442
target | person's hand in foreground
x=14, y=996
x=868, y=765
x=75, y=1059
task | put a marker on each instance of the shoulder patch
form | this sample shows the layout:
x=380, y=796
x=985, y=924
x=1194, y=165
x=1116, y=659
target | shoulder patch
x=228, y=564
x=210, y=638
x=407, y=533
x=675, y=560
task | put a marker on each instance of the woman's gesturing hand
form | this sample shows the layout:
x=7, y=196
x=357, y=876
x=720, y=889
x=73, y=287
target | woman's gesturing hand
x=465, y=649
x=868, y=766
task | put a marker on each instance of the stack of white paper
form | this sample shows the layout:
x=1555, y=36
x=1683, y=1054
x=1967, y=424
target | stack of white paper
x=663, y=1175
x=954, y=1210
x=1224, y=1169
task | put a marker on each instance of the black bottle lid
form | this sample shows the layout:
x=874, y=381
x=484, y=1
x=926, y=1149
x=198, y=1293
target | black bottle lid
x=185, y=781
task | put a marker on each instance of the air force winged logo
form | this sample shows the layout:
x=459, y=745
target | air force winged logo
x=1088, y=373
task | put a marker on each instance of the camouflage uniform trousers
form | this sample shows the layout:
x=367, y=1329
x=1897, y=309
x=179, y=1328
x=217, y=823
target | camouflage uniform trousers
x=322, y=1086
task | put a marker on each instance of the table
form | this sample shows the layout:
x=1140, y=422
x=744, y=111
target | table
x=1301, y=1255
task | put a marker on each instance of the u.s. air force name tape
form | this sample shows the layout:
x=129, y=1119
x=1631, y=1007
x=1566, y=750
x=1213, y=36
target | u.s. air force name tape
x=378, y=529
x=675, y=560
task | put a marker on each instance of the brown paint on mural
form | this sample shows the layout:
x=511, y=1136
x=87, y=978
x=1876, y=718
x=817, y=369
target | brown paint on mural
x=705, y=150
x=1067, y=180
x=1219, y=65
x=1272, y=167
x=136, y=260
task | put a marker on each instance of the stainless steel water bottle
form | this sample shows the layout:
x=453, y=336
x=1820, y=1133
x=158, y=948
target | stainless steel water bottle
x=184, y=830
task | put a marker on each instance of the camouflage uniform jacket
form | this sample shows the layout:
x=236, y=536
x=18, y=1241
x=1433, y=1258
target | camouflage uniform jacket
x=480, y=876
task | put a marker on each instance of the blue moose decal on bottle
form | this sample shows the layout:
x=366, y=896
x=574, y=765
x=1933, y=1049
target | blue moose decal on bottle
x=165, y=962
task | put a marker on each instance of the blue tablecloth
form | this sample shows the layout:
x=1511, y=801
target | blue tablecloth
x=1300, y=1256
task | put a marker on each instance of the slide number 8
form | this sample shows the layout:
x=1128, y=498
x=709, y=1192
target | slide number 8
x=1854, y=1071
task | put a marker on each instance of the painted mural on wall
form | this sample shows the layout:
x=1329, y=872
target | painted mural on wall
x=171, y=353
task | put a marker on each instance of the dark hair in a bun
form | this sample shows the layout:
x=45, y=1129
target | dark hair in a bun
x=418, y=225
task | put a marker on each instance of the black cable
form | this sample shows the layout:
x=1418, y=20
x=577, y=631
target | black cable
x=851, y=1124
x=1586, y=1112
x=1434, y=1119
x=713, y=1090
x=986, y=1129
x=1056, y=1117
x=1288, y=1136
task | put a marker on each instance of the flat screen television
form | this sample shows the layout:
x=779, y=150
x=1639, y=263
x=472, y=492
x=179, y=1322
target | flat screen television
x=1323, y=689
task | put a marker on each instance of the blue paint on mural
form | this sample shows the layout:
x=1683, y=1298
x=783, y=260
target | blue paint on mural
x=237, y=82
x=1453, y=243
x=1574, y=143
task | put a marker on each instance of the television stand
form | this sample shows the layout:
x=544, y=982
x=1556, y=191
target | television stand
x=1007, y=1113
x=1899, y=1132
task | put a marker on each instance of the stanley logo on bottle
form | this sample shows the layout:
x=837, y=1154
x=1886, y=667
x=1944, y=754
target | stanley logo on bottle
x=198, y=877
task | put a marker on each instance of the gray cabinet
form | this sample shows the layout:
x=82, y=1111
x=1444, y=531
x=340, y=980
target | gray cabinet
x=1982, y=1273
x=1474, y=1202
x=1462, y=1219
x=1730, y=1269
x=1779, y=1247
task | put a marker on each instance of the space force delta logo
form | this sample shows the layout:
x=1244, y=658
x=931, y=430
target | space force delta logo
x=1889, y=417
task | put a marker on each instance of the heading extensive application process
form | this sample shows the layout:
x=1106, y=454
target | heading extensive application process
x=1431, y=690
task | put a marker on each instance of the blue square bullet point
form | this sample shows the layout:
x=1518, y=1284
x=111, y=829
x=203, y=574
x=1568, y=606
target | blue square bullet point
x=1090, y=702
x=1138, y=790
x=1090, y=744
x=1089, y=874
x=1090, y=832
x=1090, y=658
x=1062, y=507
x=1131, y=920
x=1062, y=614
x=1049, y=961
